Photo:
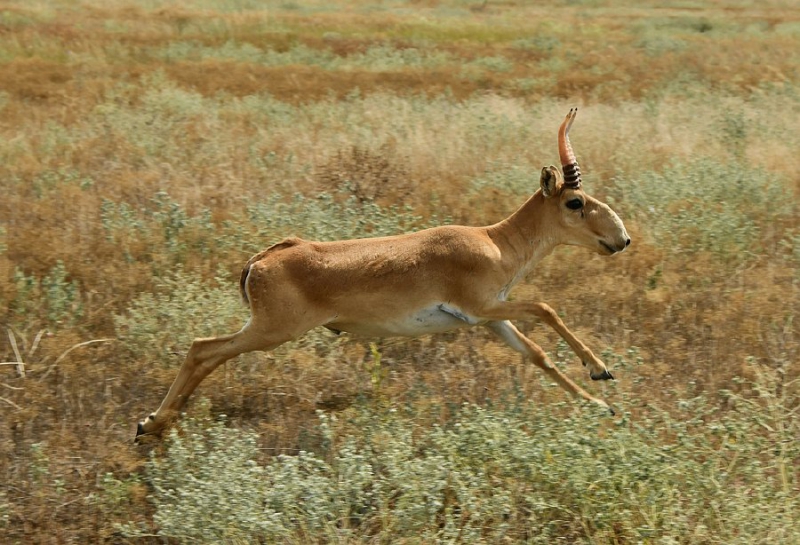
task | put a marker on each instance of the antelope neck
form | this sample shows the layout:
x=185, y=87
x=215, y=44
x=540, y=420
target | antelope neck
x=524, y=238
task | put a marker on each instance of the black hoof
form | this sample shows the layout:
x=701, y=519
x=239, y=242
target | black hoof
x=605, y=375
x=611, y=410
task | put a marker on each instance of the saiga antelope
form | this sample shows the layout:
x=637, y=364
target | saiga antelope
x=429, y=281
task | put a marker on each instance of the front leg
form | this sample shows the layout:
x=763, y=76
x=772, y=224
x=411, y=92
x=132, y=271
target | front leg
x=523, y=310
x=522, y=344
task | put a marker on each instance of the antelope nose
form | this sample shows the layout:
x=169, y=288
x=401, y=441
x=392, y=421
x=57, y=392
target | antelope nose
x=627, y=242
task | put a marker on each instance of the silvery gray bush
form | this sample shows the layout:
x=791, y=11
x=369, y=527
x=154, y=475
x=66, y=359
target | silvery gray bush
x=517, y=471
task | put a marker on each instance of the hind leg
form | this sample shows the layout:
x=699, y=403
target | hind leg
x=204, y=356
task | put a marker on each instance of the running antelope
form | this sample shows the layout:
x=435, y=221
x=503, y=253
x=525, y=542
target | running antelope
x=430, y=281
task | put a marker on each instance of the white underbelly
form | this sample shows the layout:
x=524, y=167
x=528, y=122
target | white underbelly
x=423, y=322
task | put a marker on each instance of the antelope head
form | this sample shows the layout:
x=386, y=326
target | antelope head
x=580, y=219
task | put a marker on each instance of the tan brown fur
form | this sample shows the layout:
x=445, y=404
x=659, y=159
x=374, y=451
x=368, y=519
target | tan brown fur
x=428, y=281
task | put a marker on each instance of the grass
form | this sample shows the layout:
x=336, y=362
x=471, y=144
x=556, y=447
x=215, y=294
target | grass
x=147, y=149
x=509, y=471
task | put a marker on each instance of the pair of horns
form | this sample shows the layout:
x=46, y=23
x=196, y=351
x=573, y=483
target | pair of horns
x=569, y=165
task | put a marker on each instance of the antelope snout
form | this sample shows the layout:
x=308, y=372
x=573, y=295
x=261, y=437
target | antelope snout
x=623, y=243
x=618, y=245
x=623, y=240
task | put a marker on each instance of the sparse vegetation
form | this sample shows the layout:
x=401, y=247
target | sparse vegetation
x=512, y=470
x=149, y=148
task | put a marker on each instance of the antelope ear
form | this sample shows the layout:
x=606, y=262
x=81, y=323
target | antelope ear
x=549, y=181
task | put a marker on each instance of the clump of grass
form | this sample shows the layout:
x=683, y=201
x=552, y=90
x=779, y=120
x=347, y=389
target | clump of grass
x=4, y=509
x=245, y=52
x=655, y=46
x=376, y=58
x=369, y=175
x=514, y=180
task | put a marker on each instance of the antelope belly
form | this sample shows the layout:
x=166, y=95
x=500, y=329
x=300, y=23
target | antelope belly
x=428, y=320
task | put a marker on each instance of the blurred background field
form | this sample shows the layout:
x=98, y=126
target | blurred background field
x=148, y=148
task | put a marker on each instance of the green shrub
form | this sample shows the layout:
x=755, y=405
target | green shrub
x=386, y=58
x=170, y=231
x=47, y=180
x=182, y=308
x=166, y=125
x=657, y=45
x=54, y=298
x=493, y=64
x=706, y=206
x=791, y=243
x=115, y=496
x=518, y=471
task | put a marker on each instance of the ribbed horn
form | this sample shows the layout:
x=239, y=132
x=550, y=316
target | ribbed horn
x=569, y=165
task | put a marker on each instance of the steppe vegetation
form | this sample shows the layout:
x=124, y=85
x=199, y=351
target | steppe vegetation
x=148, y=148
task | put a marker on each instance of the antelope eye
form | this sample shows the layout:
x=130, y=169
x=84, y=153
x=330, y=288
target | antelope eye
x=575, y=204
